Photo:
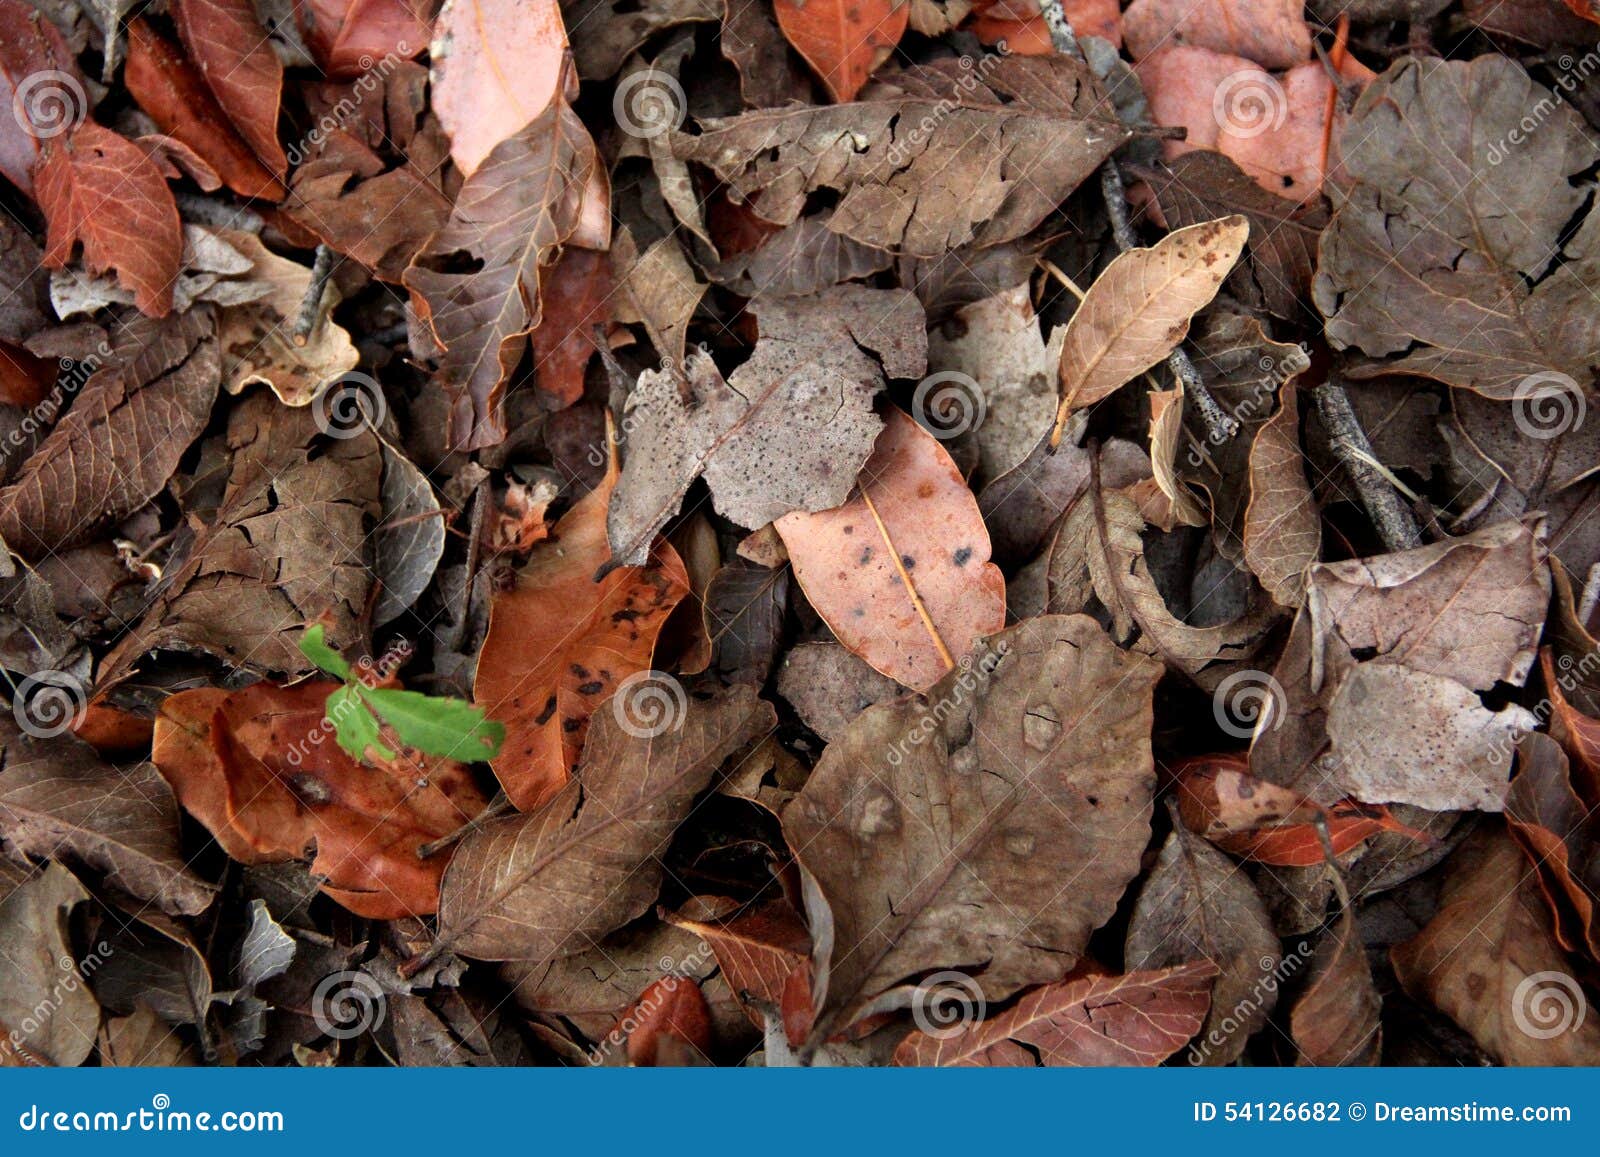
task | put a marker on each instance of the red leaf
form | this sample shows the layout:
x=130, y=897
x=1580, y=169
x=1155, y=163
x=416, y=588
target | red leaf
x=231, y=49
x=38, y=79
x=171, y=90
x=105, y=191
x=670, y=1024
x=843, y=40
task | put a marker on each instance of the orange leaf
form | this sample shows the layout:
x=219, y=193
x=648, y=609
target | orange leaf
x=559, y=644
x=103, y=190
x=171, y=90
x=349, y=36
x=261, y=769
x=843, y=40
x=576, y=295
x=670, y=1024
x=901, y=572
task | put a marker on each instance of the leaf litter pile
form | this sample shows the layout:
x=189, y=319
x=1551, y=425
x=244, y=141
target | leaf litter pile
x=851, y=532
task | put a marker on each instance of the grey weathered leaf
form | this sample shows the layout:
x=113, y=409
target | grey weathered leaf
x=41, y=970
x=409, y=542
x=58, y=798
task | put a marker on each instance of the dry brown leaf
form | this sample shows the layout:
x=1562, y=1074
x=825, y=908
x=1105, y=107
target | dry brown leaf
x=1197, y=906
x=1138, y=310
x=1138, y=1019
x=1490, y=962
x=256, y=340
x=935, y=828
x=555, y=881
x=34, y=912
x=1272, y=33
x=1282, y=529
x=1335, y=1021
x=901, y=572
x=785, y=433
x=923, y=193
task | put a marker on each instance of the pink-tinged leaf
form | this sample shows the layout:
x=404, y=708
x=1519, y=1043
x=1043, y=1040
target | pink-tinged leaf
x=233, y=53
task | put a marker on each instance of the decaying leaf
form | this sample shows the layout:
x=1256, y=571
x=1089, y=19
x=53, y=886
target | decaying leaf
x=1138, y=1019
x=555, y=881
x=923, y=190
x=1490, y=961
x=1335, y=1021
x=948, y=854
x=261, y=770
x=1282, y=529
x=57, y=798
x=41, y=970
x=901, y=572
x=807, y=387
x=561, y=643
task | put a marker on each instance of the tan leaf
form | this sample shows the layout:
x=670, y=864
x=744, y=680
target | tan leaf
x=1335, y=1021
x=1282, y=529
x=901, y=572
x=1138, y=310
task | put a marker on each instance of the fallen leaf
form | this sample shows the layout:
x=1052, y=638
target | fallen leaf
x=58, y=799
x=843, y=41
x=1138, y=310
x=147, y=404
x=670, y=1024
x=40, y=85
x=560, y=644
x=1281, y=253
x=173, y=91
x=1557, y=829
x=805, y=257
x=1462, y=283
x=526, y=199
x=40, y=969
x=807, y=387
x=1138, y=1019
x=1335, y=1022
x=143, y=1040
x=760, y=952
x=1197, y=907
x=744, y=608
x=101, y=189
x=1490, y=962
x=235, y=56
x=261, y=770
x=1053, y=130
x=410, y=537
x=901, y=572
x=287, y=546
x=769, y=74
x=496, y=65
x=1282, y=529
x=576, y=302
x=348, y=36
x=934, y=829
x=257, y=338
x=1272, y=33
x=610, y=31
x=555, y=881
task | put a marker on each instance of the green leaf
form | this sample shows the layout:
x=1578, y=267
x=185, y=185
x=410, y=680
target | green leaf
x=354, y=725
x=452, y=728
x=314, y=647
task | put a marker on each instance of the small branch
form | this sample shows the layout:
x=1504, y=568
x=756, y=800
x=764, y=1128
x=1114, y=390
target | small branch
x=1393, y=520
x=310, y=315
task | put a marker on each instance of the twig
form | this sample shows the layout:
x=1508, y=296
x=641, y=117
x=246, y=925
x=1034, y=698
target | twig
x=1394, y=522
x=310, y=315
